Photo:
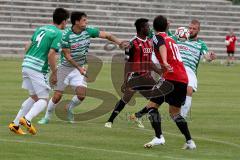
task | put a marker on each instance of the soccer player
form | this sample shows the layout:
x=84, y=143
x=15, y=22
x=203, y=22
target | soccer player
x=72, y=71
x=45, y=42
x=139, y=53
x=167, y=53
x=191, y=52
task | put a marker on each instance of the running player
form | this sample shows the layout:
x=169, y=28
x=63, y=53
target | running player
x=72, y=71
x=138, y=55
x=45, y=42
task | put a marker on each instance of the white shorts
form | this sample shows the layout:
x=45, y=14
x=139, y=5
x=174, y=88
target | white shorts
x=68, y=76
x=192, y=78
x=35, y=82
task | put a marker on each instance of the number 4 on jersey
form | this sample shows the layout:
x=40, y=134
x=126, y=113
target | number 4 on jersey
x=39, y=37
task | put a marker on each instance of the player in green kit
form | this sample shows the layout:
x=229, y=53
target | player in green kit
x=40, y=54
x=191, y=52
x=71, y=72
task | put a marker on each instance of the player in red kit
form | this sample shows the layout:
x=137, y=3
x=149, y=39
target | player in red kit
x=138, y=62
x=167, y=53
x=230, y=41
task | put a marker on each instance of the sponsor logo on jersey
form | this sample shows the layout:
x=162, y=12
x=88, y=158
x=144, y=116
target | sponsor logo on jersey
x=80, y=44
x=147, y=50
x=188, y=49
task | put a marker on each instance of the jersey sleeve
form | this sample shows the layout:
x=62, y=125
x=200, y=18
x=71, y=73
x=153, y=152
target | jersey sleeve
x=158, y=41
x=56, y=44
x=93, y=32
x=65, y=40
x=204, y=49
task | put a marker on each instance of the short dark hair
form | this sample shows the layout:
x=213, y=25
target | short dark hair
x=160, y=23
x=59, y=15
x=77, y=16
x=139, y=23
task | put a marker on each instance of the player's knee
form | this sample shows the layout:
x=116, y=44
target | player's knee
x=81, y=97
x=152, y=105
x=57, y=97
x=81, y=93
x=154, y=115
x=177, y=118
x=126, y=99
x=34, y=97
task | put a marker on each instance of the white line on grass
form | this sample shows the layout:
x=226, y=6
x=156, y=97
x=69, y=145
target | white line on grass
x=174, y=158
x=179, y=135
x=80, y=147
x=201, y=138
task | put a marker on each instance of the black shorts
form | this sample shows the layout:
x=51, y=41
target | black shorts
x=230, y=53
x=175, y=98
x=141, y=83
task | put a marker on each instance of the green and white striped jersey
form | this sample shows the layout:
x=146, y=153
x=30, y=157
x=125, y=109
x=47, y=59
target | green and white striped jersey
x=191, y=51
x=44, y=38
x=78, y=44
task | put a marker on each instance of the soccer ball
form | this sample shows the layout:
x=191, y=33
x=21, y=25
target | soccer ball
x=227, y=42
x=182, y=33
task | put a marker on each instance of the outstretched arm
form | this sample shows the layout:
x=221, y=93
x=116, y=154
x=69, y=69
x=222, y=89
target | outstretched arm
x=210, y=56
x=105, y=35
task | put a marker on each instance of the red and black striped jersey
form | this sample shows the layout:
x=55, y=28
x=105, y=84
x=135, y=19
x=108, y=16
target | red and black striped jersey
x=140, y=54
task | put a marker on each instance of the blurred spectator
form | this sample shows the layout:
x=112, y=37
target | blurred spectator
x=230, y=42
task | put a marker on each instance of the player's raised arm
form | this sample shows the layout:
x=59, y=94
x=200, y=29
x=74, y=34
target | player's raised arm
x=210, y=56
x=106, y=35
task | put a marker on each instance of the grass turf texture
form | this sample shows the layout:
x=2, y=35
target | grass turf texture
x=214, y=123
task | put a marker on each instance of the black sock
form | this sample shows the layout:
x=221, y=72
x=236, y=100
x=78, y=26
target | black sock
x=141, y=112
x=155, y=120
x=118, y=108
x=183, y=126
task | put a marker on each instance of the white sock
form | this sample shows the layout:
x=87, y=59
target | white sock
x=74, y=102
x=37, y=108
x=186, y=107
x=50, y=109
x=26, y=106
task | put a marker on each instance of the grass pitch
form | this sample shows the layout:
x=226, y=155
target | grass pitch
x=214, y=123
